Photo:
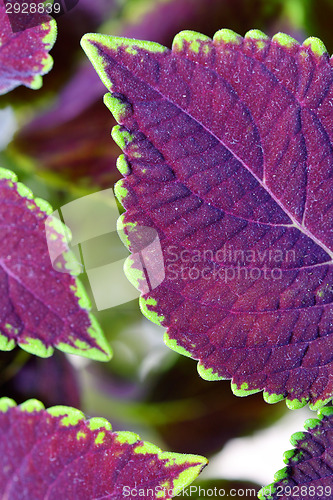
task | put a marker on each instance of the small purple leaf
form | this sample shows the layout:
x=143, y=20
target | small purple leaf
x=308, y=473
x=57, y=453
x=24, y=55
x=40, y=308
x=228, y=156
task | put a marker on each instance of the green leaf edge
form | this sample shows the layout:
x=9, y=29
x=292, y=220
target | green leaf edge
x=193, y=39
x=47, y=63
x=48, y=41
x=72, y=416
x=294, y=455
x=123, y=137
x=36, y=346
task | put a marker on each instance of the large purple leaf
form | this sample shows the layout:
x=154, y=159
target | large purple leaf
x=40, y=308
x=57, y=453
x=228, y=156
x=24, y=54
x=308, y=473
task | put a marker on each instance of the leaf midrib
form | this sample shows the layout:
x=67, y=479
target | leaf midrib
x=295, y=223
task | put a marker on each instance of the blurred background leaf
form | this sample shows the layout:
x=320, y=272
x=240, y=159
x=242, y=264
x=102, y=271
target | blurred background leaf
x=174, y=405
x=318, y=20
x=216, y=488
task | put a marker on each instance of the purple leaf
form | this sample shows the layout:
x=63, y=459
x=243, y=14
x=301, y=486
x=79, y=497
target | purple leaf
x=40, y=308
x=24, y=55
x=308, y=473
x=228, y=156
x=57, y=453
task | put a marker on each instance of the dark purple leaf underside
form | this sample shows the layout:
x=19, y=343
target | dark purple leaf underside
x=308, y=473
x=228, y=156
x=24, y=54
x=57, y=453
x=40, y=308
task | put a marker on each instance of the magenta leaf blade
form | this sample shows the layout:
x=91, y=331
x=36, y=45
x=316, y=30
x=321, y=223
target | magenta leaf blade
x=24, y=54
x=228, y=156
x=57, y=453
x=40, y=308
x=308, y=472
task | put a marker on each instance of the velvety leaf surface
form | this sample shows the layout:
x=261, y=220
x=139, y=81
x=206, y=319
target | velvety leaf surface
x=308, y=473
x=53, y=380
x=228, y=156
x=40, y=308
x=57, y=453
x=71, y=139
x=24, y=55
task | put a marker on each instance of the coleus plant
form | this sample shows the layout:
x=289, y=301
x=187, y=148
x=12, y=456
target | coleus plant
x=228, y=156
x=221, y=153
x=308, y=471
x=40, y=308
